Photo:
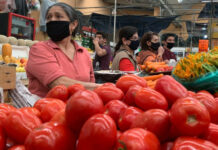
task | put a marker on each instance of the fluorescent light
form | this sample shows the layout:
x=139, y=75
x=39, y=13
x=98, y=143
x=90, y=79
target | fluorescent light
x=205, y=36
x=180, y=1
x=204, y=28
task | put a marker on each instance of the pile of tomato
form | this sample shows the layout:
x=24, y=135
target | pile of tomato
x=127, y=115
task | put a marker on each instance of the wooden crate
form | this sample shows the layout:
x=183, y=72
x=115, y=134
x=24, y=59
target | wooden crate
x=7, y=77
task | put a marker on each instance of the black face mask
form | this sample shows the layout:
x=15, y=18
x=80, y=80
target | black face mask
x=134, y=45
x=155, y=46
x=58, y=30
x=170, y=45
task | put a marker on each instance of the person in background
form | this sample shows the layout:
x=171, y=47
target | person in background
x=168, y=44
x=124, y=59
x=103, y=51
x=59, y=61
x=151, y=49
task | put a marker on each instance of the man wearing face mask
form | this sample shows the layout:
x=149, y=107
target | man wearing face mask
x=168, y=44
x=151, y=49
x=124, y=59
x=60, y=60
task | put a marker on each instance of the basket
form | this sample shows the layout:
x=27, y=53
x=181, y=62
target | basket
x=207, y=82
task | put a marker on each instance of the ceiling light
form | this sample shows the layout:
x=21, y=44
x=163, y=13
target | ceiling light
x=180, y=1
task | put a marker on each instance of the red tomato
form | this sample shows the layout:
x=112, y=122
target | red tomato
x=148, y=98
x=167, y=146
x=59, y=92
x=74, y=88
x=190, y=117
x=126, y=81
x=17, y=147
x=31, y=110
x=129, y=98
x=191, y=94
x=51, y=136
x=98, y=133
x=19, y=124
x=108, y=93
x=40, y=104
x=51, y=109
x=128, y=117
x=155, y=120
x=109, y=84
x=59, y=117
x=2, y=139
x=4, y=110
x=210, y=104
x=206, y=93
x=170, y=89
x=114, y=109
x=138, y=139
x=212, y=133
x=80, y=107
x=191, y=143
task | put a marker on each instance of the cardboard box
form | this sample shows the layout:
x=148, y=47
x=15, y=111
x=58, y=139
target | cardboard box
x=7, y=77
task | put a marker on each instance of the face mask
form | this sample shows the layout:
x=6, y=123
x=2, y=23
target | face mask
x=170, y=45
x=134, y=45
x=58, y=30
x=155, y=46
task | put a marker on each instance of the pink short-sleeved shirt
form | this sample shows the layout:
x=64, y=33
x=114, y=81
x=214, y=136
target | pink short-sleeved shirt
x=47, y=62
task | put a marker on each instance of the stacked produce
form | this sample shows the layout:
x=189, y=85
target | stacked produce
x=197, y=65
x=152, y=67
x=127, y=115
x=7, y=58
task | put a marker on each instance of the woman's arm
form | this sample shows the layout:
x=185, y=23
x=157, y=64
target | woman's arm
x=63, y=80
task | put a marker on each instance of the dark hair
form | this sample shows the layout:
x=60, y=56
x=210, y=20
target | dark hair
x=166, y=36
x=147, y=37
x=102, y=34
x=125, y=32
x=71, y=13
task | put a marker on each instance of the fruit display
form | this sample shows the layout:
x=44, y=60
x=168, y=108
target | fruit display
x=128, y=115
x=7, y=58
x=152, y=67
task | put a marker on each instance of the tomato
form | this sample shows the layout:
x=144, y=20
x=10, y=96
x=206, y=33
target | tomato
x=51, y=136
x=40, y=104
x=138, y=139
x=80, y=107
x=210, y=104
x=170, y=89
x=167, y=146
x=114, y=109
x=4, y=110
x=51, y=109
x=59, y=92
x=205, y=93
x=191, y=93
x=155, y=120
x=2, y=139
x=17, y=147
x=190, y=117
x=118, y=134
x=212, y=133
x=31, y=110
x=74, y=88
x=191, y=143
x=108, y=93
x=129, y=98
x=59, y=117
x=109, y=84
x=147, y=98
x=126, y=81
x=216, y=95
x=98, y=133
x=19, y=124
x=128, y=117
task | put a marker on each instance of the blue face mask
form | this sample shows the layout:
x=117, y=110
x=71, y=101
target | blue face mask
x=134, y=45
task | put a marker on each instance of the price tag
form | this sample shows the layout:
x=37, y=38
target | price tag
x=203, y=45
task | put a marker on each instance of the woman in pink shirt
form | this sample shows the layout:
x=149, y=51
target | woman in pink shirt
x=59, y=61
